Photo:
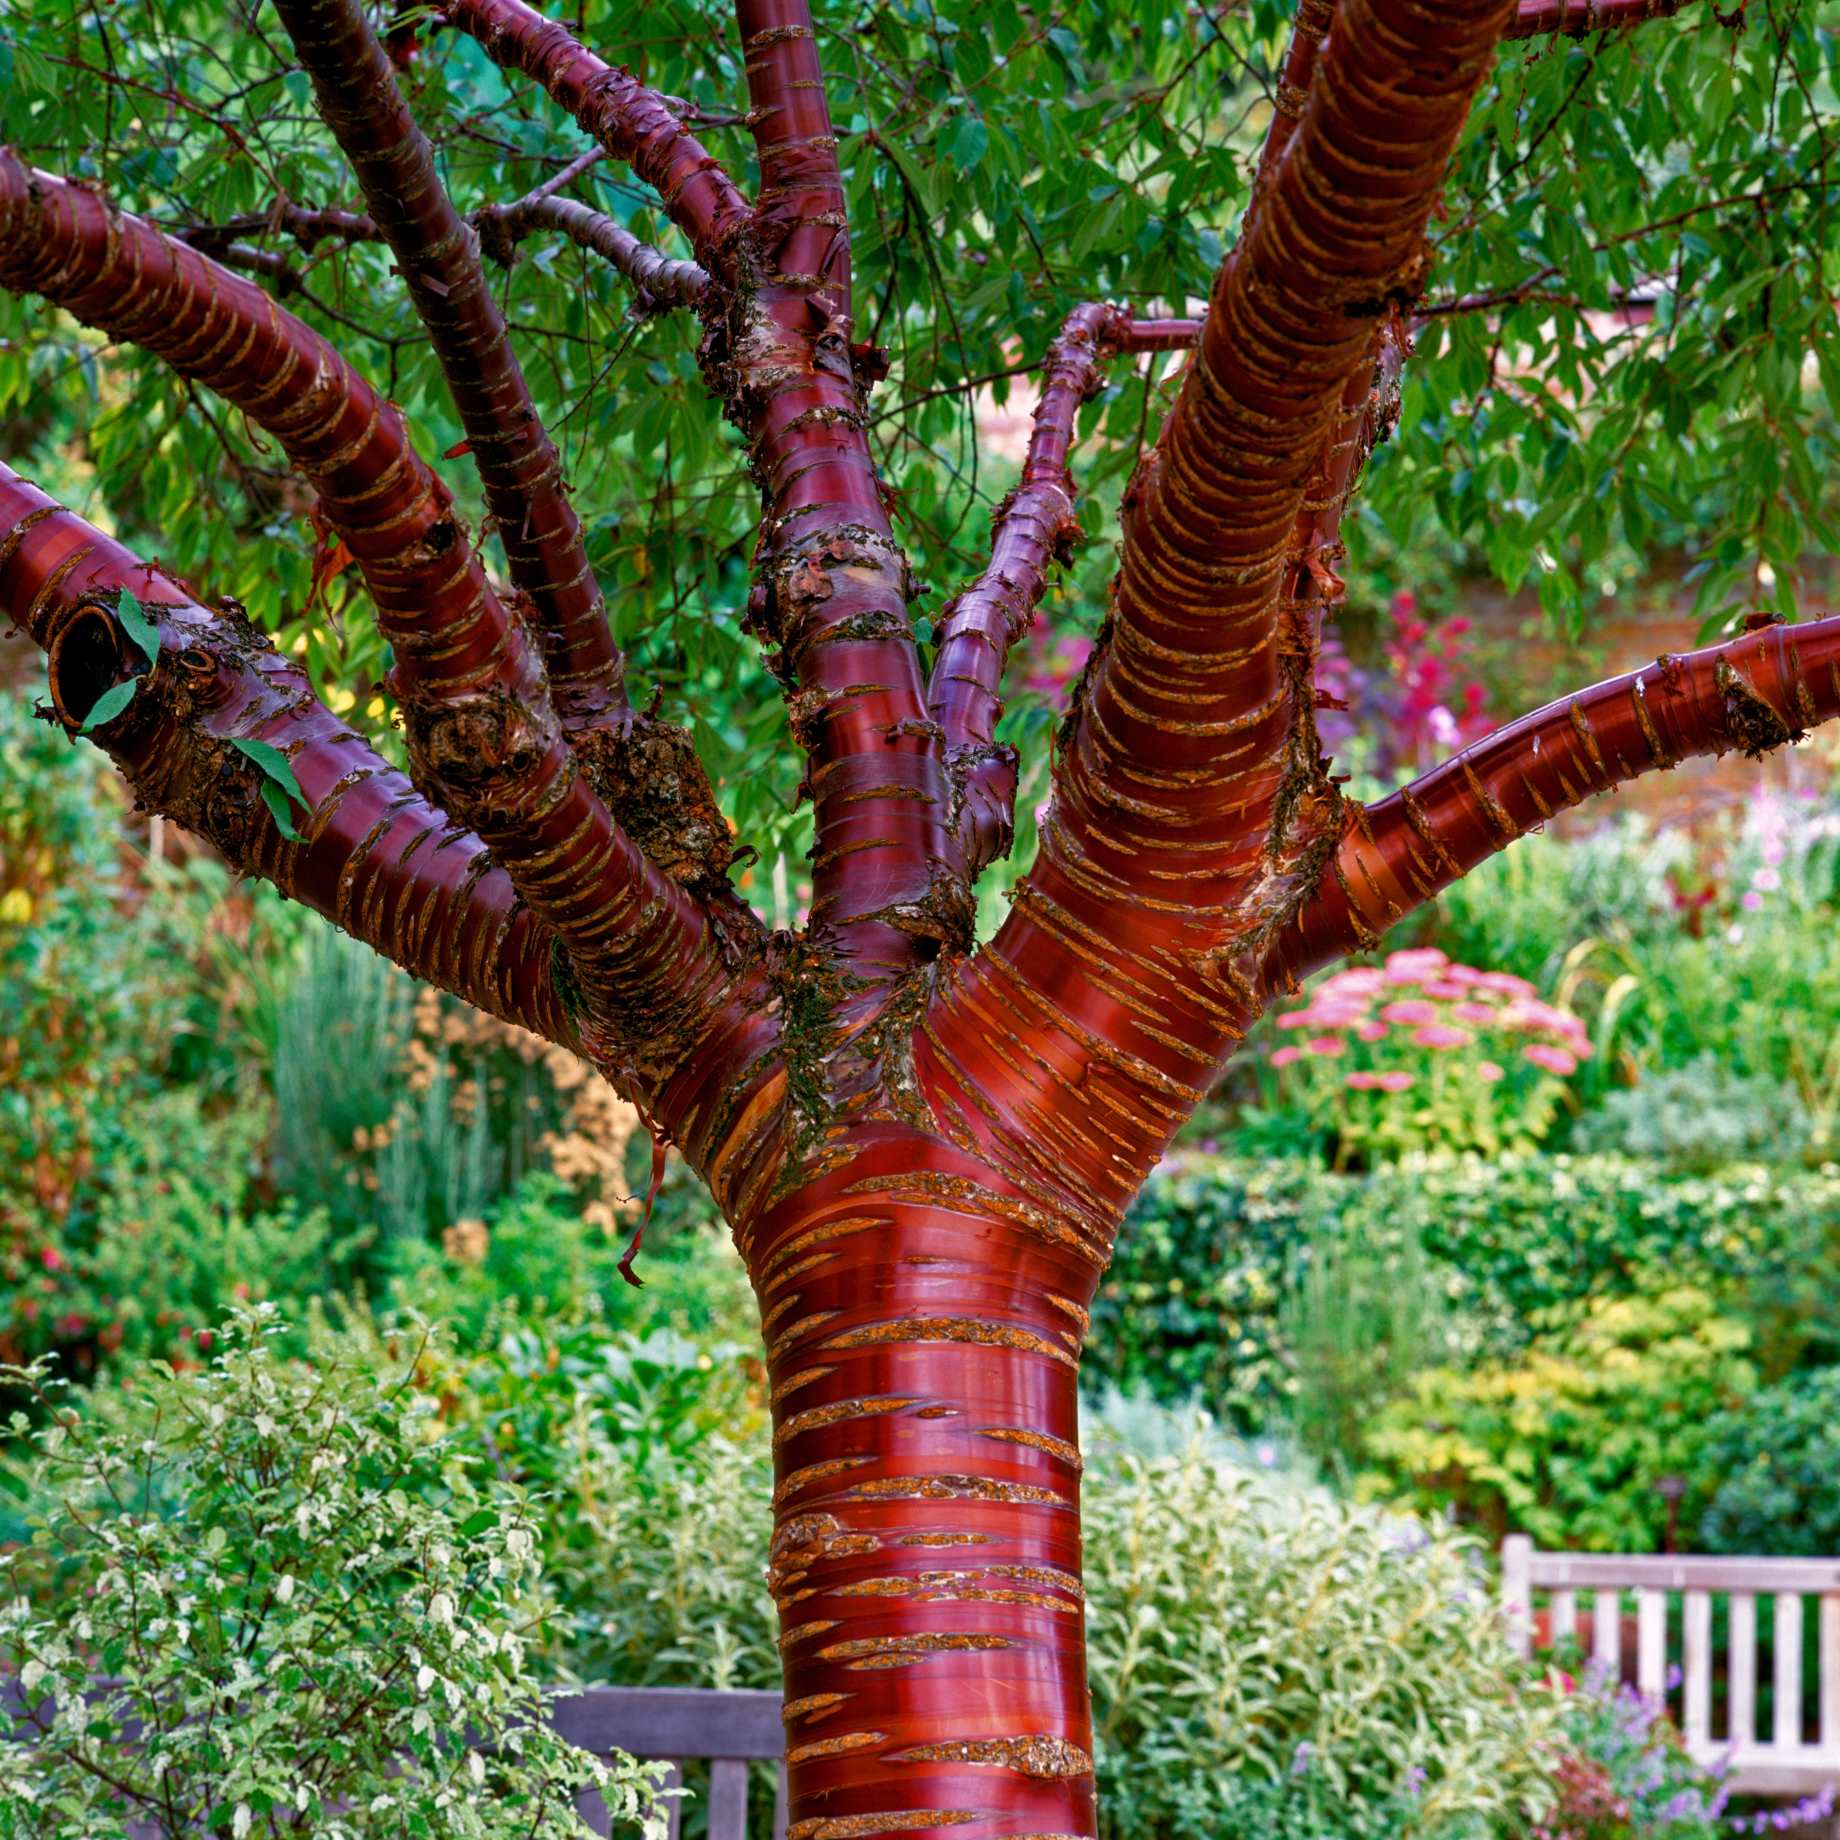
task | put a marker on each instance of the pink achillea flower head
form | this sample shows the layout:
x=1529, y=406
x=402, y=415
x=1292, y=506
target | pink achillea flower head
x=1283, y=1057
x=1395, y=1082
x=1410, y=1010
x=1373, y=1031
x=1325, y=1045
x=1491, y=1071
x=1442, y=1035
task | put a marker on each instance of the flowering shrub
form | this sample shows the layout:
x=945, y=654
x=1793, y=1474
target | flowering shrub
x=1421, y=1054
x=267, y=1599
x=1441, y=705
x=1625, y=1774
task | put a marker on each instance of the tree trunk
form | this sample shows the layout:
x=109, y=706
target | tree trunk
x=923, y=1319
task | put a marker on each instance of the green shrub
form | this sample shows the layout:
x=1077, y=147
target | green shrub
x=304, y=1603
x=1195, y=1301
x=1777, y=1461
x=536, y=1256
x=1568, y=1442
x=1276, y=1661
x=1700, y=1116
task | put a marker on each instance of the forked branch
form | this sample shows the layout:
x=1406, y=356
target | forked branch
x=1034, y=527
x=371, y=854
x=1751, y=694
x=634, y=124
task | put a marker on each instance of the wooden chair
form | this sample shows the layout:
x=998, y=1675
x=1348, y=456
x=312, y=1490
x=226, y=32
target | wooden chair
x=675, y=1725
x=1790, y=1759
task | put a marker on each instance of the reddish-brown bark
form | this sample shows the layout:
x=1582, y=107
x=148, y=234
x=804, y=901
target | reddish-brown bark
x=1580, y=18
x=437, y=255
x=374, y=856
x=924, y=1150
x=1750, y=694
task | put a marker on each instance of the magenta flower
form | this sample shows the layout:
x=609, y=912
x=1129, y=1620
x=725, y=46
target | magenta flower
x=1297, y=1019
x=1283, y=1057
x=1474, y=1012
x=1325, y=1045
x=1442, y=1035
x=1362, y=1081
x=1491, y=1071
x=1506, y=983
x=1446, y=988
x=1373, y=1031
x=1410, y=1010
x=1554, y=1060
x=1395, y=1082
x=1752, y=901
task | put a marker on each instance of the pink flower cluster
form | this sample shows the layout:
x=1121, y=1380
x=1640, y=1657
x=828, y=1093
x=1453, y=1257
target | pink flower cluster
x=1421, y=998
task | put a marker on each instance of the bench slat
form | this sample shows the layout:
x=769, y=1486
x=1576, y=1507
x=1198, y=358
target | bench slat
x=673, y=1722
x=728, y=1799
x=1743, y=1670
x=1788, y=1670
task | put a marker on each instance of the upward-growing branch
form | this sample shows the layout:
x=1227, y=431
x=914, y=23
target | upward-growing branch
x=437, y=252
x=832, y=585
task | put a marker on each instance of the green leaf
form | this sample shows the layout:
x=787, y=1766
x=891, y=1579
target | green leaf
x=276, y=801
x=966, y=142
x=273, y=763
x=110, y=704
x=137, y=626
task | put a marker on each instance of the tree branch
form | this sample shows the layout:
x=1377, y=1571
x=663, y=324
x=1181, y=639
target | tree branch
x=661, y=280
x=1753, y=693
x=1580, y=18
x=1195, y=716
x=373, y=856
x=633, y=123
x=438, y=256
x=1034, y=526
x=478, y=720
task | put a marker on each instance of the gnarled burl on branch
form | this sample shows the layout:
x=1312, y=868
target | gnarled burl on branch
x=924, y=1145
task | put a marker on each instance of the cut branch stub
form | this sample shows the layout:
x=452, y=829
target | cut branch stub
x=374, y=857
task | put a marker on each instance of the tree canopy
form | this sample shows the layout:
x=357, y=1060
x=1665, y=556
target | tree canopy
x=1627, y=342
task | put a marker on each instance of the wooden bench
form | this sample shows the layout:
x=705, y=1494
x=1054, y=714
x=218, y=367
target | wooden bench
x=678, y=1725
x=1794, y=1758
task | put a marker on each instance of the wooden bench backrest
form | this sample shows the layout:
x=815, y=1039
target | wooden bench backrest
x=1793, y=1758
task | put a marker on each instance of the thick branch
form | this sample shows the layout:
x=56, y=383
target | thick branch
x=1193, y=735
x=1751, y=694
x=633, y=123
x=1033, y=527
x=832, y=586
x=373, y=855
x=1580, y=18
x=478, y=719
x=438, y=256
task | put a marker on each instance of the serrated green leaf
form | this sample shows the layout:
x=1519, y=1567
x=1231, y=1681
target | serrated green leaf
x=276, y=801
x=273, y=763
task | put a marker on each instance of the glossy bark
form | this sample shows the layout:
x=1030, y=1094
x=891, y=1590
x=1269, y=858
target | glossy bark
x=925, y=1149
